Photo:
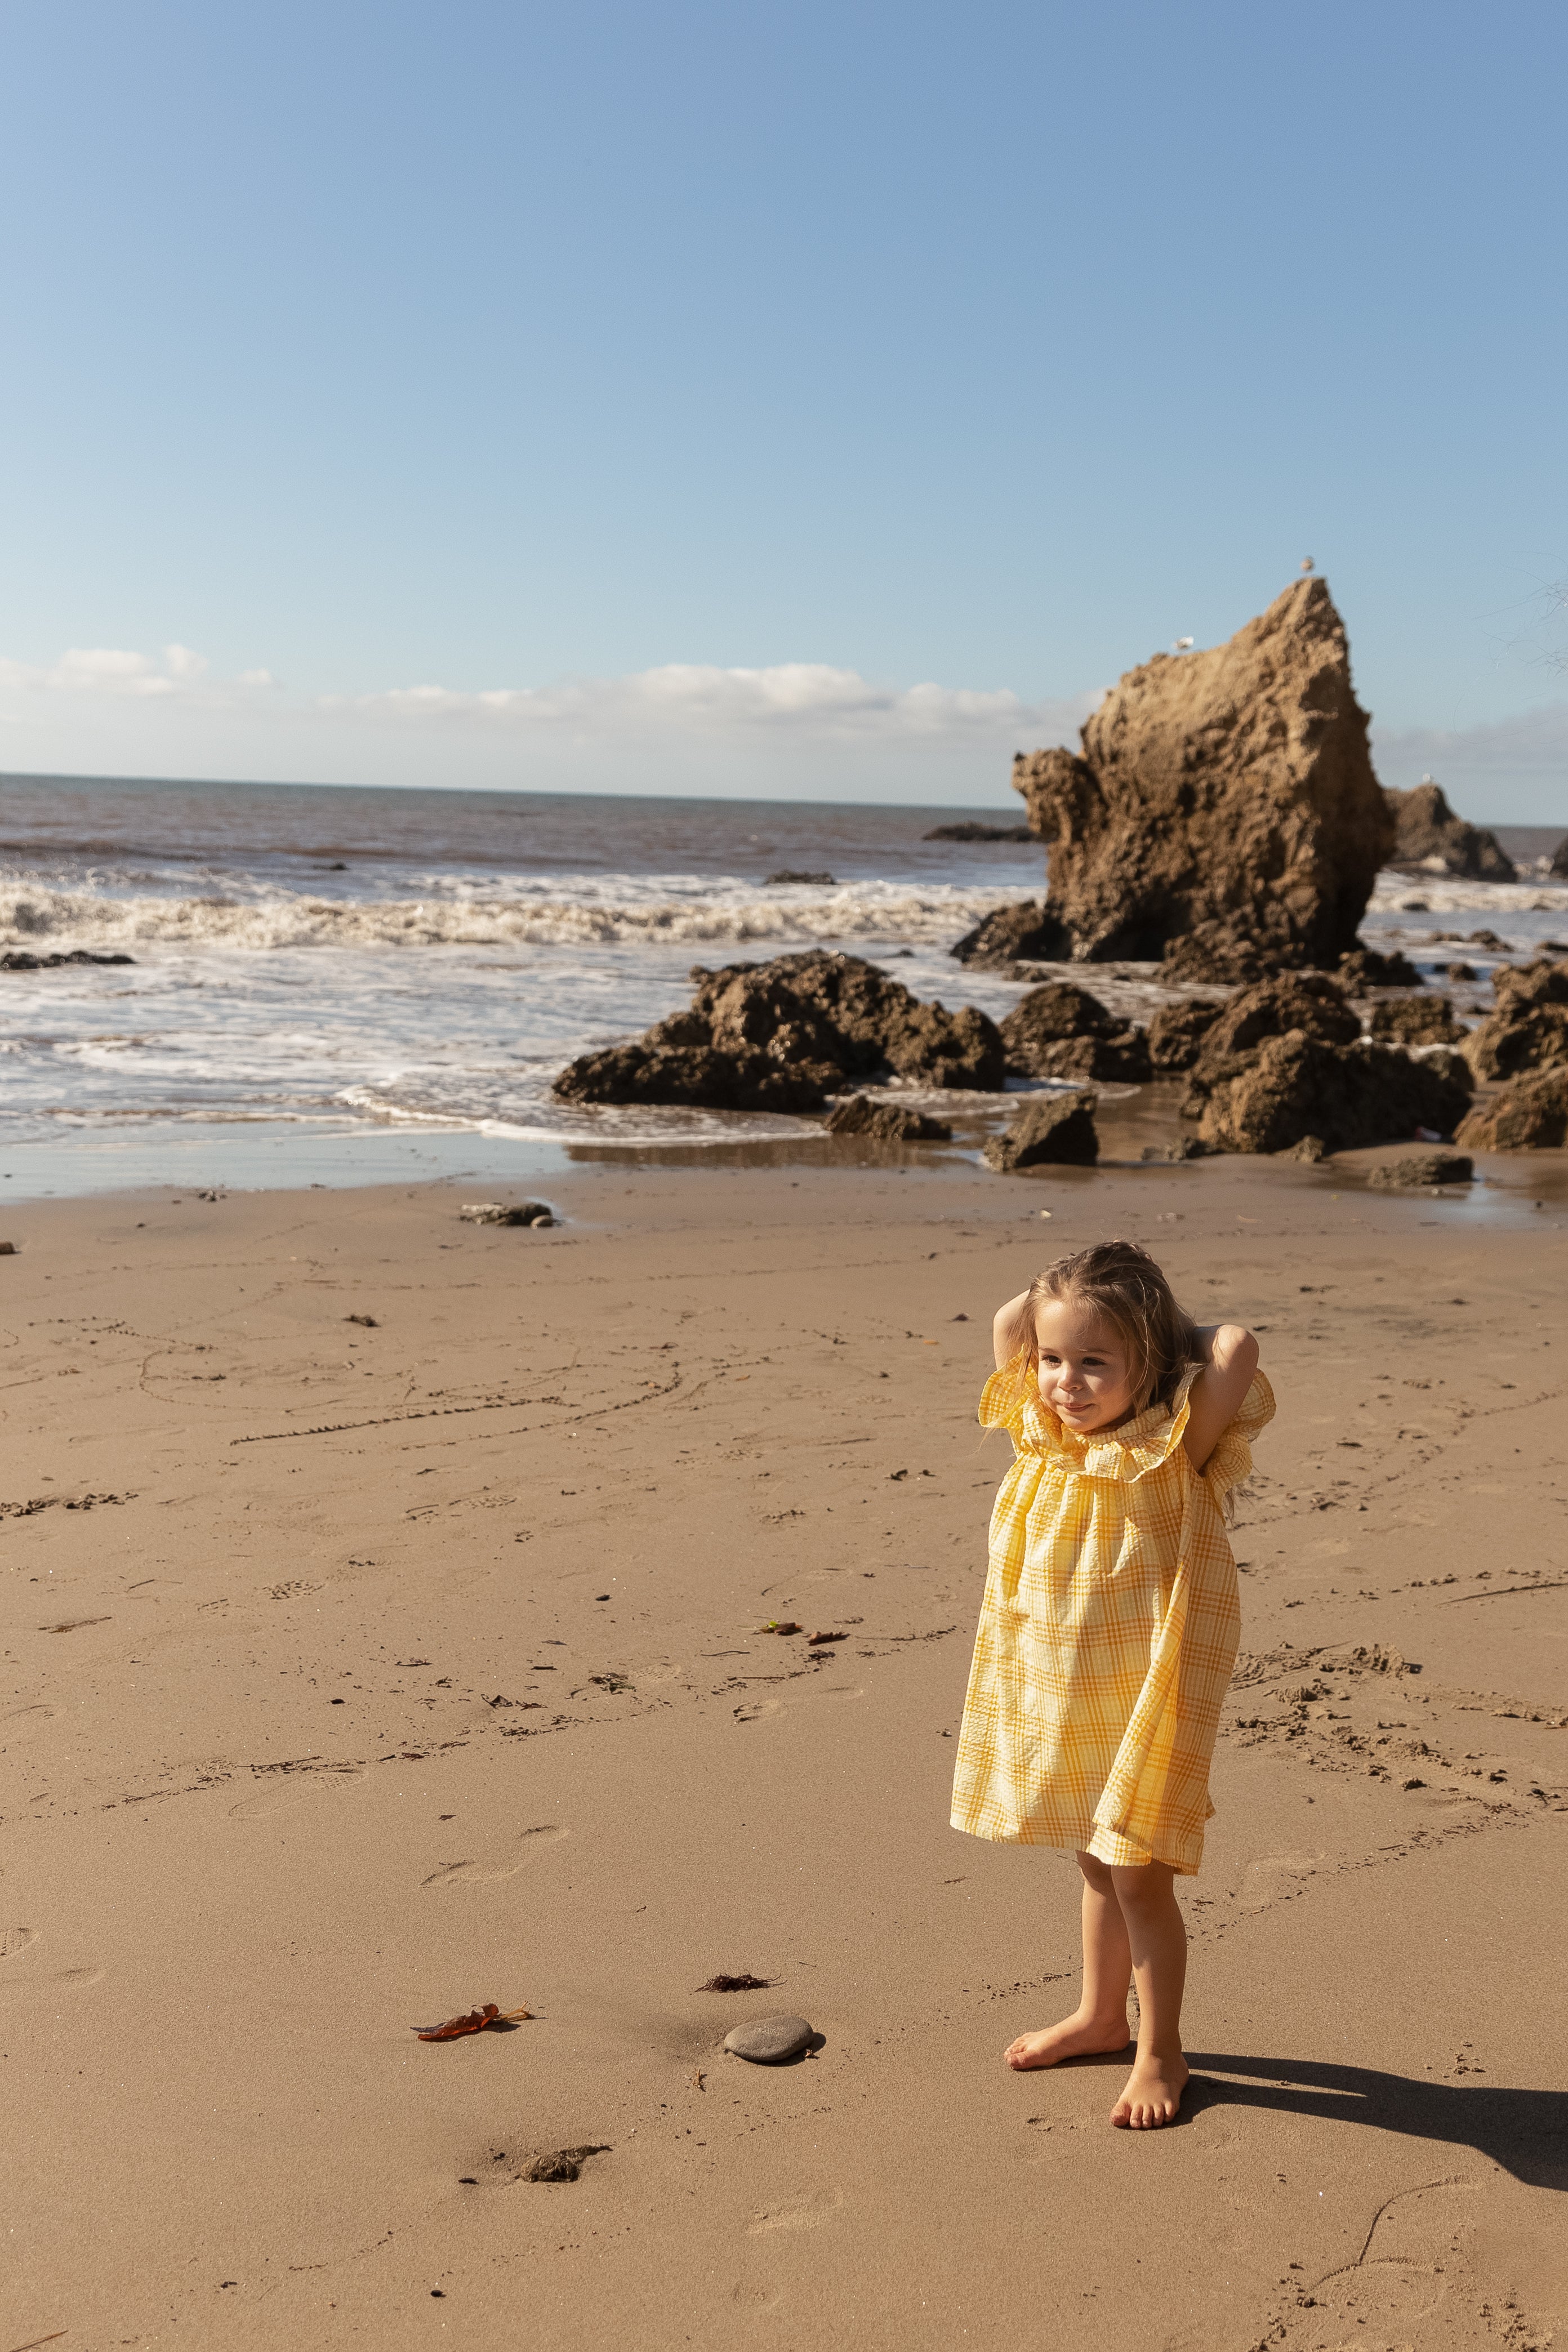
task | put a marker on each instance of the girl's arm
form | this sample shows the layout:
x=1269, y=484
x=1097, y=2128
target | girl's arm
x=1216, y=1396
x=1010, y=1329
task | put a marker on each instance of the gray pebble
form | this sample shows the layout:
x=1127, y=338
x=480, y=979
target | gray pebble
x=769, y=2041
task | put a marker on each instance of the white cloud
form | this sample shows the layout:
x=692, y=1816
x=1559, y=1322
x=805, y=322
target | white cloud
x=689, y=696
x=108, y=670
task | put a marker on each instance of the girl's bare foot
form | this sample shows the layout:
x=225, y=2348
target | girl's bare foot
x=1076, y=2037
x=1152, y=2092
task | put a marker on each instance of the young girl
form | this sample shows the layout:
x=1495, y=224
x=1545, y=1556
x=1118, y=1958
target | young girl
x=1108, y=1627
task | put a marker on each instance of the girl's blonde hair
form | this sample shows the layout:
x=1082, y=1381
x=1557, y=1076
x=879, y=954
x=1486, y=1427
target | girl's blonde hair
x=1121, y=1284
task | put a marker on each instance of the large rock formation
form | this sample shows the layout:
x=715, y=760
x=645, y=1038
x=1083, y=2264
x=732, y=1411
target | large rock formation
x=1298, y=1087
x=1061, y=1031
x=782, y=1035
x=1527, y=1028
x=1430, y=839
x=1230, y=789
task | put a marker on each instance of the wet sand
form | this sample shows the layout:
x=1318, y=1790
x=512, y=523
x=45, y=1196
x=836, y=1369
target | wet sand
x=356, y=1675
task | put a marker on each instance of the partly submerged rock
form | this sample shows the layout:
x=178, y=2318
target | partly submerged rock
x=1349, y=1095
x=1176, y=1034
x=1010, y=933
x=1527, y=1028
x=885, y=1122
x=782, y=1035
x=1309, y=1152
x=1430, y=839
x=23, y=959
x=770, y=2041
x=1230, y=788
x=1059, y=1030
x=1366, y=968
x=1530, y=1116
x=971, y=831
x=1419, y=1170
x=695, y=1077
x=782, y=879
x=1050, y=1130
x=1416, y=1021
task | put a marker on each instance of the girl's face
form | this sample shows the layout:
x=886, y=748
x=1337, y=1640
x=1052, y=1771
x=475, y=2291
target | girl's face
x=1084, y=1373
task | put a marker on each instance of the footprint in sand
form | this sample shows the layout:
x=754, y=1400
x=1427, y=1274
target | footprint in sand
x=1272, y=1877
x=288, y=1791
x=799, y=2213
x=505, y=1866
x=15, y=1939
x=15, y=1991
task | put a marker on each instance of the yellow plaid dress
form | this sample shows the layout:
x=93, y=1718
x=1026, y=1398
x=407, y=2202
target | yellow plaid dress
x=1107, y=1634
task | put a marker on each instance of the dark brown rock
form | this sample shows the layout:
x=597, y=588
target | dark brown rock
x=1366, y=968
x=1460, y=971
x=1176, y=1034
x=782, y=1035
x=1212, y=956
x=885, y=1122
x=1527, y=1028
x=1416, y=1021
x=1307, y=1002
x=1231, y=787
x=694, y=1077
x=1419, y=1170
x=1559, y=866
x=1430, y=839
x=1530, y=1116
x=1050, y=1130
x=1010, y=932
x=1059, y=1030
x=1348, y=1096
x=975, y=832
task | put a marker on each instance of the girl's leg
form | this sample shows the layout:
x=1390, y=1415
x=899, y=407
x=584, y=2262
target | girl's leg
x=1157, y=1938
x=1100, y=2020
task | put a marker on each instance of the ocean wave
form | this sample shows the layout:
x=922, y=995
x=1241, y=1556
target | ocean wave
x=285, y=920
x=1405, y=894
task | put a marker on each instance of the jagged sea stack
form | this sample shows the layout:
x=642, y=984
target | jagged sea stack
x=1227, y=793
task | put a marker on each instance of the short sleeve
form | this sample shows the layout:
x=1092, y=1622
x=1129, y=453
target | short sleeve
x=1231, y=1461
x=1006, y=1394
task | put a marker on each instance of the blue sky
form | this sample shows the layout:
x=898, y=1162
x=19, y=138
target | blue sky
x=695, y=381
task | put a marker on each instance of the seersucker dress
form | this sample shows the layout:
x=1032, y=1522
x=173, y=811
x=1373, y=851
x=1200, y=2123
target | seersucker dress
x=1108, y=1631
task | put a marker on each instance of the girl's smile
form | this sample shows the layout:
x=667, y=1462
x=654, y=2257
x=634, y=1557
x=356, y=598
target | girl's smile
x=1082, y=1368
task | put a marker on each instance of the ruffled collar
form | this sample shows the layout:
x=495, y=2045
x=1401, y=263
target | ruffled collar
x=1012, y=1401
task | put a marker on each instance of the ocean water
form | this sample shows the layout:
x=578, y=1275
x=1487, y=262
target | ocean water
x=335, y=984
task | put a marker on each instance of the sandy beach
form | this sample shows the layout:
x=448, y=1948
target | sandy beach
x=361, y=1671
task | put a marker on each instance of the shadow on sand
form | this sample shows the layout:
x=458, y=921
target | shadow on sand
x=1524, y=2131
